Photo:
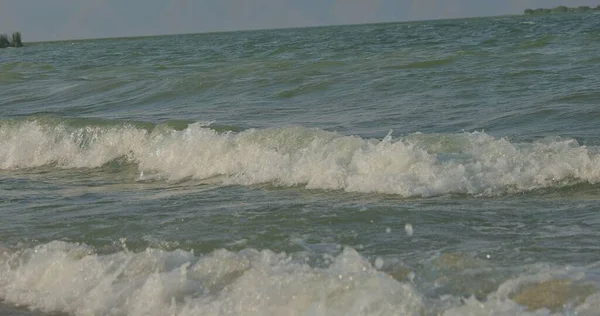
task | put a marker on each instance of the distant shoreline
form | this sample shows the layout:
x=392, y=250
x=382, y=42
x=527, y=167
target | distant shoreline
x=225, y=31
x=14, y=41
x=560, y=9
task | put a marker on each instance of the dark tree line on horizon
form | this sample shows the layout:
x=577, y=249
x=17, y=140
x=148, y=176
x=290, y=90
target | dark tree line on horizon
x=561, y=9
x=14, y=41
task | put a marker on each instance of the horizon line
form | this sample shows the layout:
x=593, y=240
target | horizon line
x=270, y=29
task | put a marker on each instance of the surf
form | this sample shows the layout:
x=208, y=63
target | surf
x=417, y=164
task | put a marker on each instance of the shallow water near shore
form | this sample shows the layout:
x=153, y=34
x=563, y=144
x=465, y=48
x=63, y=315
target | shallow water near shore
x=427, y=168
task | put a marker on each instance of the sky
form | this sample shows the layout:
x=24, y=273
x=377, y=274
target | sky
x=40, y=20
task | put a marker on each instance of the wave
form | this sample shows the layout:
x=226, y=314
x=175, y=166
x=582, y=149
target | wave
x=305, y=88
x=539, y=42
x=413, y=165
x=72, y=278
x=423, y=64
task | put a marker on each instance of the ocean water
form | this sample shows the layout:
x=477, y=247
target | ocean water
x=429, y=168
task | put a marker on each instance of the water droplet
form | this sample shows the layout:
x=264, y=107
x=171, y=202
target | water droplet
x=409, y=229
x=378, y=263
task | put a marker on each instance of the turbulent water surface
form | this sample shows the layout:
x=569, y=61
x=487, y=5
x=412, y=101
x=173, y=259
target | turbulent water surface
x=428, y=168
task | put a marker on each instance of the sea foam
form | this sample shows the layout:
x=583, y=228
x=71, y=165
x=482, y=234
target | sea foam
x=413, y=165
x=72, y=278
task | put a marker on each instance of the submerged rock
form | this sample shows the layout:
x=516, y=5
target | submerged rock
x=552, y=294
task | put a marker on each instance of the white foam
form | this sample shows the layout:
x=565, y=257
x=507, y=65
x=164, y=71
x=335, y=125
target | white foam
x=415, y=165
x=473, y=307
x=70, y=278
x=590, y=306
x=556, y=286
x=73, y=279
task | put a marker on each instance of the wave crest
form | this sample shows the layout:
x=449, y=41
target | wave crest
x=414, y=165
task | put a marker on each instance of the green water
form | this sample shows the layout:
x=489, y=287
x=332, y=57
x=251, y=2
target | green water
x=427, y=168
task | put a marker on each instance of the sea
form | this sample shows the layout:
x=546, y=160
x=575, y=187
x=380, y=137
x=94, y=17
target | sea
x=447, y=167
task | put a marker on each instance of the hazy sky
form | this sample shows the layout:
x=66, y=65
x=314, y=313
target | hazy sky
x=70, y=19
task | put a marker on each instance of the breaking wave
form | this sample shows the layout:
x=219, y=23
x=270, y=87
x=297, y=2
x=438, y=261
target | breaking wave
x=72, y=278
x=413, y=165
